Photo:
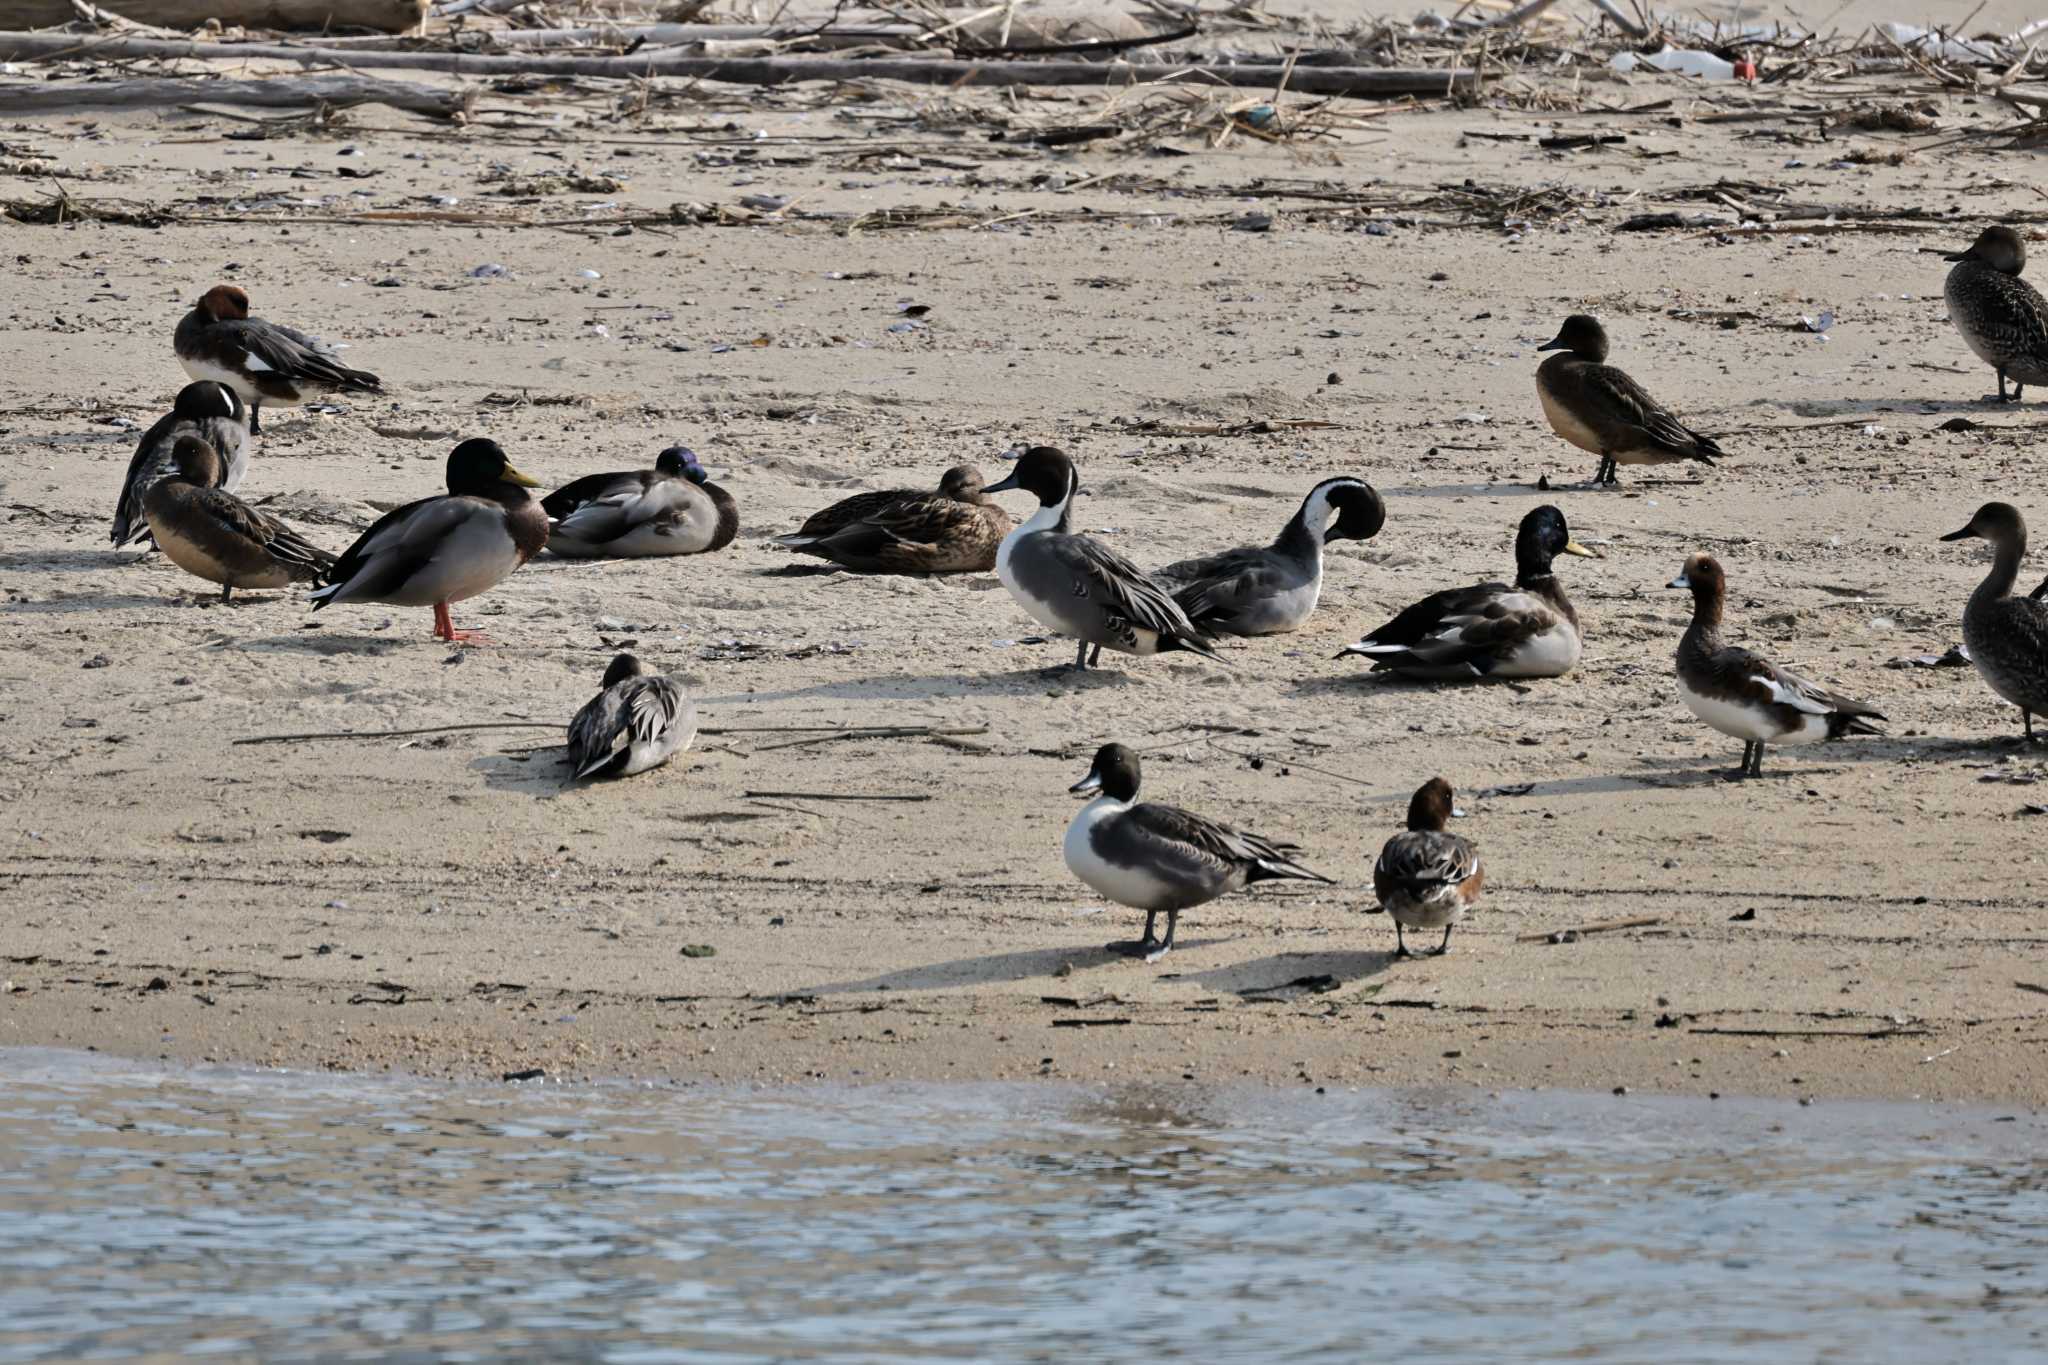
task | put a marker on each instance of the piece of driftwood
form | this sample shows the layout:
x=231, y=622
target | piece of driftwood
x=662, y=35
x=1359, y=82
x=318, y=16
x=279, y=92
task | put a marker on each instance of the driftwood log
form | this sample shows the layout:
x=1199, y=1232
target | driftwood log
x=1359, y=82
x=289, y=92
x=385, y=16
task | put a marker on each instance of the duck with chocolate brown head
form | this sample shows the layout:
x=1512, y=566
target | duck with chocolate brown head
x=263, y=362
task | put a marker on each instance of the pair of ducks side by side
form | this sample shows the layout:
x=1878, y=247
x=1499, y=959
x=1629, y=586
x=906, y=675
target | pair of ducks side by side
x=1164, y=860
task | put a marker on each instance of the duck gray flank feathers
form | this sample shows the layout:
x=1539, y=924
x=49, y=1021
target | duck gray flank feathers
x=1267, y=589
x=639, y=721
x=1599, y=409
x=2000, y=316
x=1075, y=584
x=2007, y=636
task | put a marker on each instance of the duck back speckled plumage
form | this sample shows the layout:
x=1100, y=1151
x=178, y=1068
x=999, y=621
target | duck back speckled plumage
x=2002, y=318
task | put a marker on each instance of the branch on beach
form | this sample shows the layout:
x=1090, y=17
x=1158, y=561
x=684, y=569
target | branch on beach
x=277, y=92
x=387, y=16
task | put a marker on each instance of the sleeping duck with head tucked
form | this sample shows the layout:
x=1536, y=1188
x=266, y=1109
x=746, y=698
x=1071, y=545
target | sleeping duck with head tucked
x=671, y=509
x=1494, y=630
x=956, y=529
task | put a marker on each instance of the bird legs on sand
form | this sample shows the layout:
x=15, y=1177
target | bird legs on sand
x=1085, y=658
x=1149, y=948
x=444, y=629
x=1401, y=943
x=1752, y=761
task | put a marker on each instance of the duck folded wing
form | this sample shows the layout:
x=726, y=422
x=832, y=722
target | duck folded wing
x=1210, y=849
x=846, y=512
x=1125, y=589
x=291, y=355
x=1655, y=429
x=640, y=711
x=1784, y=687
x=589, y=488
x=917, y=523
x=153, y=461
x=1423, y=860
x=663, y=505
x=401, y=544
x=1220, y=584
x=283, y=544
x=1473, y=627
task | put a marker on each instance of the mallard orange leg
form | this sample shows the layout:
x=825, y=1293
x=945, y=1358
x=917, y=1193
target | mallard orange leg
x=444, y=629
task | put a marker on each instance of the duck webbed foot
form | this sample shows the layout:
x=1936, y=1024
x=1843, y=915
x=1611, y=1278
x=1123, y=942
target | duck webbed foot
x=1150, y=948
x=444, y=629
x=1443, y=949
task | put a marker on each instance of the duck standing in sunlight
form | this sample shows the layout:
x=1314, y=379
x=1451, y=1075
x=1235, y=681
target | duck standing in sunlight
x=1161, y=859
x=1599, y=409
x=639, y=721
x=671, y=509
x=264, y=362
x=1268, y=589
x=1747, y=697
x=1529, y=630
x=446, y=549
x=903, y=530
x=212, y=534
x=2007, y=636
x=1427, y=878
x=1075, y=584
x=210, y=411
x=2000, y=316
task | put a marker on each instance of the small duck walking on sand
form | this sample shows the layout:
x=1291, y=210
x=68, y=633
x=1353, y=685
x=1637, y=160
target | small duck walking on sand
x=1075, y=584
x=212, y=534
x=909, y=531
x=671, y=509
x=1530, y=630
x=446, y=549
x=1161, y=858
x=1268, y=589
x=1747, y=697
x=2001, y=317
x=1599, y=409
x=2007, y=636
x=639, y=721
x=264, y=362
x=1427, y=878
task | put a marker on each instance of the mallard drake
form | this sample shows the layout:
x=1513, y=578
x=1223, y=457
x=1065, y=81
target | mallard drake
x=210, y=533
x=1747, y=697
x=445, y=549
x=1491, y=630
x=639, y=721
x=1268, y=589
x=1075, y=584
x=1427, y=878
x=671, y=509
x=213, y=413
x=1598, y=408
x=2007, y=636
x=1161, y=858
x=900, y=530
x=264, y=362
x=2001, y=317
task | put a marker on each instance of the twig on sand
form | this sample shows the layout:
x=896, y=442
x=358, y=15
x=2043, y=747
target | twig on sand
x=1817, y=1032
x=394, y=734
x=2030, y=986
x=876, y=732
x=1604, y=926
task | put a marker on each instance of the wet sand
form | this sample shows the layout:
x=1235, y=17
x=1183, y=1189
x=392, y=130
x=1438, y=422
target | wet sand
x=444, y=904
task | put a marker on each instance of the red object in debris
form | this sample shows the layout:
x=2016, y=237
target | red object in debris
x=1745, y=70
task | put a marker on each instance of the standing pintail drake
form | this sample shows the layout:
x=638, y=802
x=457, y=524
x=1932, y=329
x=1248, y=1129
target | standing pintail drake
x=2002, y=317
x=264, y=362
x=212, y=534
x=1599, y=409
x=901, y=530
x=1268, y=589
x=446, y=549
x=640, y=721
x=1075, y=584
x=1427, y=878
x=213, y=413
x=1161, y=858
x=1491, y=630
x=1747, y=697
x=671, y=509
x=2007, y=636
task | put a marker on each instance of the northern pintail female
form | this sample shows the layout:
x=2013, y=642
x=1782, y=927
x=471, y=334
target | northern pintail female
x=2002, y=317
x=446, y=549
x=1492, y=630
x=2007, y=636
x=1267, y=589
x=1427, y=878
x=264, y=362
x=639, y=721
x=1161, y=858
x=904, y=530
x=1077, y=585
x=1598, y=408
x=212, y=534
x=1747, y=697
x=213, y=413
x=671, y=509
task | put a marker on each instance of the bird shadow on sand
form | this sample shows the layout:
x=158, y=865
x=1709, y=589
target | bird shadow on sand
x=70, y=561
x=92, y=602
x=1477, y=490
x=310, y=640
x=998, y=968
x=542, y=774
x=933, y=686
x=1820, y=409
x=1269, y=978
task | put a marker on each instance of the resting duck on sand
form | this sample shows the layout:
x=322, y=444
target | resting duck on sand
x=210, y=411
x=1267, y=589
x=2000, y=316
x=671, y=509
x=212, y=534
x=264, y=362
x=1427, y=878
x=2007, y=636
x=955, y=530
x=639, y=721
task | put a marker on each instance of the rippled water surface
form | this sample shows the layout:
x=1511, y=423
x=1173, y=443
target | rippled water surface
x=285, y=1217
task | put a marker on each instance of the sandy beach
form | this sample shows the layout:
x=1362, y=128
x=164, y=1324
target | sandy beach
x=779, y=904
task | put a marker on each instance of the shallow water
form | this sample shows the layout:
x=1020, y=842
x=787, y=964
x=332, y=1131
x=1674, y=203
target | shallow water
x=284, y=1217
